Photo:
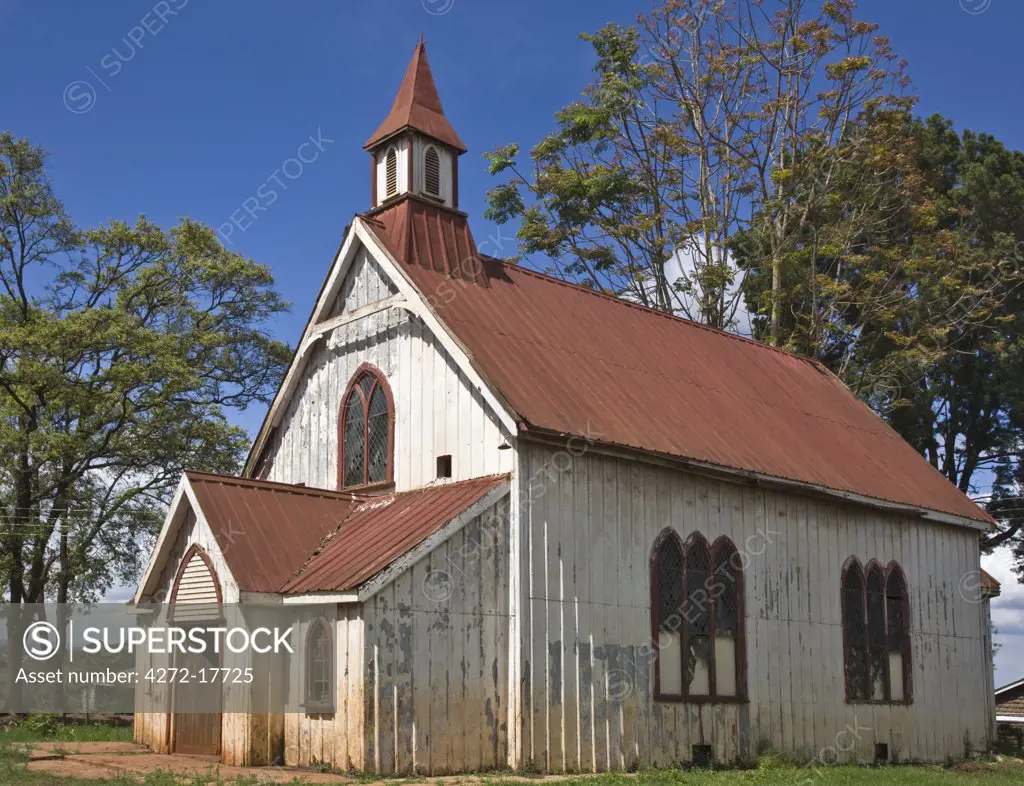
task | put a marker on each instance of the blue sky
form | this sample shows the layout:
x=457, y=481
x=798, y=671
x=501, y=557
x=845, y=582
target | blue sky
x=209, y=102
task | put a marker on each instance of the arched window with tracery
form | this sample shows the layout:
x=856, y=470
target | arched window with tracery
x=697, y=619
x=366, y=430
x=898, y=633
x=876, y=635
x=319, y=666
x=854, y=631
x=728, y=620
x=667, y=594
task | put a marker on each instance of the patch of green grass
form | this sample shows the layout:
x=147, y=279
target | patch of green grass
x=774, y=772
x=771, y=771
x=49, y=728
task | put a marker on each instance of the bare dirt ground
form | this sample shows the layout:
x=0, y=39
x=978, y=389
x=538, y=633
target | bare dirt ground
x=105, y=760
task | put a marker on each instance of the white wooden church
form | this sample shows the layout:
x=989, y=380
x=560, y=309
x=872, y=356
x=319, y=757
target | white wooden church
x=565, y=532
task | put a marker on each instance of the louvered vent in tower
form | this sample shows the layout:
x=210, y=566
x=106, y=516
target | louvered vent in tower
x=391, y=168
x=432, y=172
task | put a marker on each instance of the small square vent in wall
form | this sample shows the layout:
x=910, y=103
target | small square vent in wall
x=444, y=466
x=702, y=756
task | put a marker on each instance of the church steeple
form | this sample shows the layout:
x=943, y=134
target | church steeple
x=415, y=150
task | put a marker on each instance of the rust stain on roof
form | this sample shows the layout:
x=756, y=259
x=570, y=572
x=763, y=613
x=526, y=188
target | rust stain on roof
x=572, y=361
x=990, y=586
x=277, y=537
x=266, y=529
x=417, y=106
x=436, y=237
x=379, y=531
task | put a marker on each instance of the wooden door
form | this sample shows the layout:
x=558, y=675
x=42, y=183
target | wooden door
x=197, y=733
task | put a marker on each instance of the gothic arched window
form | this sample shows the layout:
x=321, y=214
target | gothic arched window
x=319, y=666
x=876, y=637
x=366, y=430
x=697, y=619
x=854, y=631
x=898, y=633
x=667, y=596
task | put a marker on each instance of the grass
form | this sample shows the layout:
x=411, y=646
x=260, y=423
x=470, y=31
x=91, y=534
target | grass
x=770, y=772
x=43, y=729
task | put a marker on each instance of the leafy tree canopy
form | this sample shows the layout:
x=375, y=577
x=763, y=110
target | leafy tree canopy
x=122, y=348
x=758, y=161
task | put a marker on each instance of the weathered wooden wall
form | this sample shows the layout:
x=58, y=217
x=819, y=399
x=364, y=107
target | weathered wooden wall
x=437, y=657
x=243, y=735
x=335, y=738
x=437, y=411
x=586, y=543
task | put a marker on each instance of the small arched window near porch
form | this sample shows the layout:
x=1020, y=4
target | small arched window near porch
x=366, y=430
x=319, y=693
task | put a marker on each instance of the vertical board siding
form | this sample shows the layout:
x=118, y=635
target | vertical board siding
x=438, y=411
x=152, y=699
x=587, y=662
x=336, y=738
x=436, y=657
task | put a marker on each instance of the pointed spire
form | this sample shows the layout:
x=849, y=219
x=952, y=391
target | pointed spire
x=418, y=106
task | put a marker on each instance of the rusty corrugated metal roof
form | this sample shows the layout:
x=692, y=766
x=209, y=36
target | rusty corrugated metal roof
x=438, y=238
x=266, y=530
x=276, y=537
x=417, y=106
x=380, y=530
x=990, y=586
x=572, y=361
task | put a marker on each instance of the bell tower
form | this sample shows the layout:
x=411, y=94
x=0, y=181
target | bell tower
x=415, y=150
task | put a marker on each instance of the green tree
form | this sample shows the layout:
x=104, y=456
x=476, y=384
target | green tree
x=919, y=309
x=706, y=114
x=122, y=349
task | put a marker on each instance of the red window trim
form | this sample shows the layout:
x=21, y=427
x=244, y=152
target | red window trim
x=352, y=389
x=905, y=649
x=722, y=542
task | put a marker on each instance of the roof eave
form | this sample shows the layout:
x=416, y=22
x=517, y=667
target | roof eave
x=1009, y=687
x=378, y=139
x=539, y=434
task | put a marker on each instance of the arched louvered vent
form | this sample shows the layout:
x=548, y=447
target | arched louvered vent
x=196, y=593
x=391, y=169
x=432, y=171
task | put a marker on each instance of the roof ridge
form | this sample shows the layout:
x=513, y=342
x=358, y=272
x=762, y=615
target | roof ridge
x=421, y=489
x=384, y=500
x=655, y=312
x=308, y=491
